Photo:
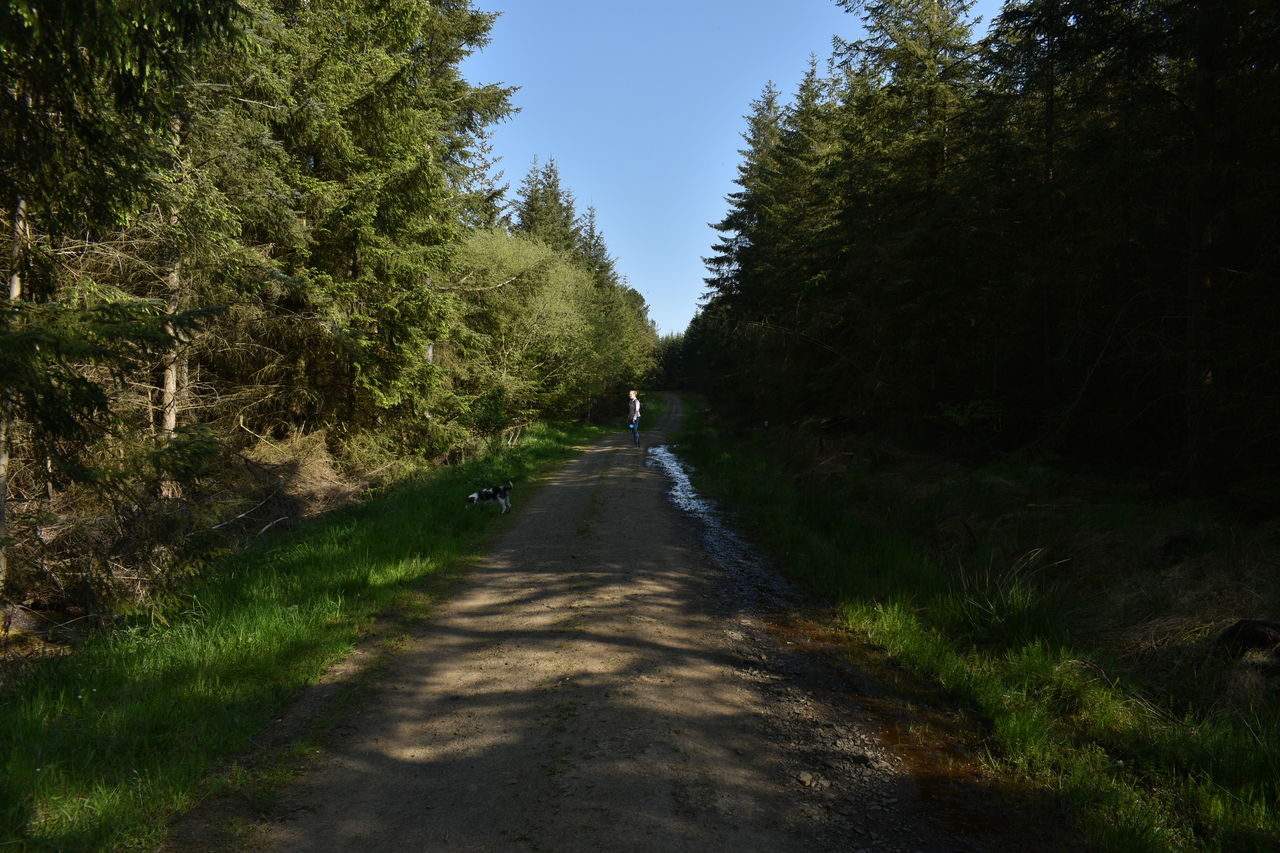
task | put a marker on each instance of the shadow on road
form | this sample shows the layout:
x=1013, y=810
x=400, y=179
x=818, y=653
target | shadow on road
x=600, y=683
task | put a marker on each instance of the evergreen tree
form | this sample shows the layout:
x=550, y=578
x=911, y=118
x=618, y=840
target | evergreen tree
x=594, y=254
x=730, y=265
x=544, y=210
x=379, y=132
x=483, y=192
x=245, y=238
x=921, y=51
x=86, y=102
x=1049, y=239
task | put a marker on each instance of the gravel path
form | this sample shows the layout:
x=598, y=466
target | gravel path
x=599, y=683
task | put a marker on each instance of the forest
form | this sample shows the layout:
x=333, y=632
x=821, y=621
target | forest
x=986, y=358
x=989, y=349
x=259, y=256
x=1058, y=238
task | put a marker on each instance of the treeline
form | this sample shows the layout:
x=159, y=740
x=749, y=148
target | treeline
x=243, y=236
x=1061, y=236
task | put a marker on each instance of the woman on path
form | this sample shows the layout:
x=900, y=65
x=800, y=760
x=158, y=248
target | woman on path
x=633, y=415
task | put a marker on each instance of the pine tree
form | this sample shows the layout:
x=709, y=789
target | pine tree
x=544, y=210
x=84, y=111
x=379, y=131
x=922, y=51
x=594, y=253
x=730, y=265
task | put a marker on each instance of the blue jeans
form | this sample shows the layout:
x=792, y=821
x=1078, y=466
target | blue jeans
x=635, y=430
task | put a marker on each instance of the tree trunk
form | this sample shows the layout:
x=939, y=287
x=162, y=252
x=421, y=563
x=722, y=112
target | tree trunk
x=1200, y=261
x=17, y=247
x=1050, y=284
x=173, y=355
x=4, y=500
x=169, y=387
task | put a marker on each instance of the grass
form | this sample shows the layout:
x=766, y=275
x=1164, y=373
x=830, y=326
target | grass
x=102, y=748
x=1075, y=617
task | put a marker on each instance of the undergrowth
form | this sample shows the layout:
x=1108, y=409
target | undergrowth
x=1076, y=617
x=103, y=747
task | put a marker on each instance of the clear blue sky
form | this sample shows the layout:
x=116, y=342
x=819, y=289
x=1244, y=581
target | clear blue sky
x=641, y=105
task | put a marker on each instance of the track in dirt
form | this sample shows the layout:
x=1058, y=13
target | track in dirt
x=600, y=683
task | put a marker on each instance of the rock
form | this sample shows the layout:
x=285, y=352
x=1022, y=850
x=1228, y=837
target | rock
x=1176, y=548
x=1248, y=635
x=950, y=541
x=23, y=620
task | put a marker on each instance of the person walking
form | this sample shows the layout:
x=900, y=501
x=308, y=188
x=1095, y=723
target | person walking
x=633, y=415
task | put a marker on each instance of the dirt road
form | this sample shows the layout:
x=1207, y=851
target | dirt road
x=600, y=684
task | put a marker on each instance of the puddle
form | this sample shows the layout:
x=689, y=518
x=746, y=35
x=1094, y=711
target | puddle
x=748, y=577
x=681, y=492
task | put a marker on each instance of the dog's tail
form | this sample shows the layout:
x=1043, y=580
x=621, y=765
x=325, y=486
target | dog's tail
x=510, y=485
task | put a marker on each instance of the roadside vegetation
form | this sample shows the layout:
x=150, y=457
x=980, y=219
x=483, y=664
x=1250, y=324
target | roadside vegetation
x=103, y=747
x=990, y=332
x=1078, y=618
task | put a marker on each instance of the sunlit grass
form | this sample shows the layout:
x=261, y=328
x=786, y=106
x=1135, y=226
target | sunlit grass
x=101, y=748
x=998, y=632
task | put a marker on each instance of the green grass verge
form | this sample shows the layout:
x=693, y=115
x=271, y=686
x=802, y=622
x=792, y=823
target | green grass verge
x=101, y=749
x=1012, y=643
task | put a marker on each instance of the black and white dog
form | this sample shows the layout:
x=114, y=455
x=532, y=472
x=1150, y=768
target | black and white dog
x=493, y=493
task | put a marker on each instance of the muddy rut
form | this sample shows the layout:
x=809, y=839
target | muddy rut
x=600, y=682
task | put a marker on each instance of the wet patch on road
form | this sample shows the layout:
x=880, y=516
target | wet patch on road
x=883, y=752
